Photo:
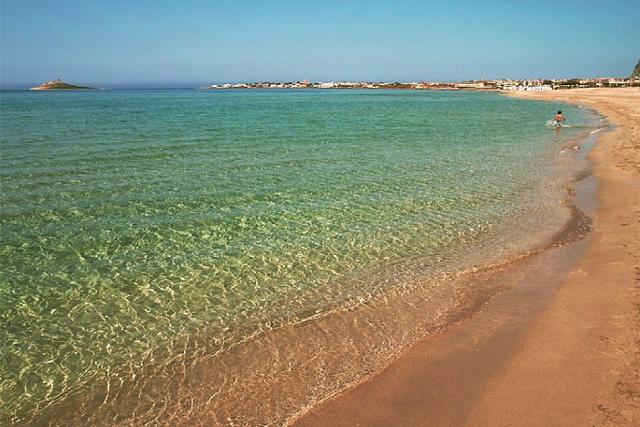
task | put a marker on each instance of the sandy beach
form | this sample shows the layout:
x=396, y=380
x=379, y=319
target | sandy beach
x=561, y=346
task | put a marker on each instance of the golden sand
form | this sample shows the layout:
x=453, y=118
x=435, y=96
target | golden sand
x=562, y=347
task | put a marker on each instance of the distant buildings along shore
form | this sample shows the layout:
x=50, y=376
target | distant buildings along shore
x=500, y=84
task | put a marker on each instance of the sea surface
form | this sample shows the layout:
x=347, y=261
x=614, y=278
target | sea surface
x=138, y=226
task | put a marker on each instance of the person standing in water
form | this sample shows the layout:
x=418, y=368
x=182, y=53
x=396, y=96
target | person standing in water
x=559, y=121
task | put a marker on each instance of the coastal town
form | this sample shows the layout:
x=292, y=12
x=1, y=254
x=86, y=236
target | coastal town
x=481, y=84
x=535, y=85
x=500, y=84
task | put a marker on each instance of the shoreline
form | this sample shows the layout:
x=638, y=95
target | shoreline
x=283, y=346
x=200, y=393
x=572, y=361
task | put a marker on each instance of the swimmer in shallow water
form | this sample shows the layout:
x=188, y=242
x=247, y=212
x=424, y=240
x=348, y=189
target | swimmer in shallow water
x=559, y=120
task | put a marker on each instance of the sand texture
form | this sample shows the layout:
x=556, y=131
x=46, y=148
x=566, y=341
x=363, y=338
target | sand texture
x=561, y=347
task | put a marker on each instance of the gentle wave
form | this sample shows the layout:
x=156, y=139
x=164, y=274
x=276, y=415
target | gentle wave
x=141, y=228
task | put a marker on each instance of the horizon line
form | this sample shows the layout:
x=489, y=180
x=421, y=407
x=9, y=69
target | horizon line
x=198, y=84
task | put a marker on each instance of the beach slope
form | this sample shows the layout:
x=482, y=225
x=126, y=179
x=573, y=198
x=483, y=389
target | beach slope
x=562, y=346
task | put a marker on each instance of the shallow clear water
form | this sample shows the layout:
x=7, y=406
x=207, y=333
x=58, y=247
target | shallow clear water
x=132, y=221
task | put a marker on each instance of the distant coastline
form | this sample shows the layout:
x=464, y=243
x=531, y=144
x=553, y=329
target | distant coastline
x=479, y=85
x=506, y=85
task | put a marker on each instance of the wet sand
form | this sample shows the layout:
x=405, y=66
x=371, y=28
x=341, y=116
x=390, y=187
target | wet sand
x=562, y=347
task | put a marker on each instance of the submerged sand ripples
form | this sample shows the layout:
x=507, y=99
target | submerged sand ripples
x=143, y=228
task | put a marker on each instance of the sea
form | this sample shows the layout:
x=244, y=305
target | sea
x=232, y=257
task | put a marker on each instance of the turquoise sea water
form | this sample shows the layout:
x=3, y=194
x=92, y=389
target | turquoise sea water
x=134, y=221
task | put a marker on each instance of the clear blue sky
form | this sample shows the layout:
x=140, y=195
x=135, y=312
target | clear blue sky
x=185, y=42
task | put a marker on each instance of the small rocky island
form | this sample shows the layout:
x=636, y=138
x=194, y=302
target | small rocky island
x=58, y=85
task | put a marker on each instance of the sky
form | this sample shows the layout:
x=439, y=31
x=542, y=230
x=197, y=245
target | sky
x=175, y=43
